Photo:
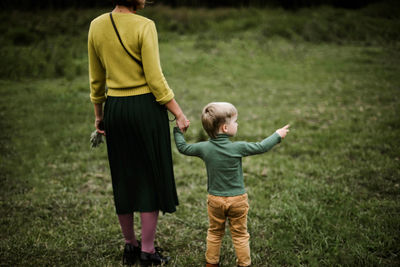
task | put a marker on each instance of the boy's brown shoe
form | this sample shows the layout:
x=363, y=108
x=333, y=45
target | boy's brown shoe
x=212, y=265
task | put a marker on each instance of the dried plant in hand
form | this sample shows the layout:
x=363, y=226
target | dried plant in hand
x=96, y=139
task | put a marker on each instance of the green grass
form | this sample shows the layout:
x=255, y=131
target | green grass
x=327, y=196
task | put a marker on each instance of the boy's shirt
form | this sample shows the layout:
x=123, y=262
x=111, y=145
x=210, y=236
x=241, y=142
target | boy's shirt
x=223, y=160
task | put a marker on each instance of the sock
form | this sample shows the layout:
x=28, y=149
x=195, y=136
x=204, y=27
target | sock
x=126, y=223
x=149, y=226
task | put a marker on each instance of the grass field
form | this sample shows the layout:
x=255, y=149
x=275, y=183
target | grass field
x=329, y=195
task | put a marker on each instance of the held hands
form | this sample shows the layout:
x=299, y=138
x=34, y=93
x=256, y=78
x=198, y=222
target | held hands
x=182, y=123
x=283, y=131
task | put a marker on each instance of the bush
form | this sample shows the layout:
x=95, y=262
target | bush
x=54, y=43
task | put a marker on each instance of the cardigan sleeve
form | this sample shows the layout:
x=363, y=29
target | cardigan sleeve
x=152, y=67
x=97, y=73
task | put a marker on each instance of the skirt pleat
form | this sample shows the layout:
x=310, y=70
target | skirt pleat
x=139, y=153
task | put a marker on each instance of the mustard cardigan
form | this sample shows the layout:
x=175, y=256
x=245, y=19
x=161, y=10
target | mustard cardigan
x=110, y=65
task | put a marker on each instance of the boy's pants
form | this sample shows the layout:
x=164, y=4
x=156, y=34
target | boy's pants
x=235, y=209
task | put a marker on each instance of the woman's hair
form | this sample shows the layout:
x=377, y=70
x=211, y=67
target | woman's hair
x=215, y=114
x=127, y=3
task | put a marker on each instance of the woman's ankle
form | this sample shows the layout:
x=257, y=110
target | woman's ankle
x=133, y=242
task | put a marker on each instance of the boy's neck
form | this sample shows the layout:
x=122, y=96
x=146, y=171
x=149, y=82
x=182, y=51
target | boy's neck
x=222, y=132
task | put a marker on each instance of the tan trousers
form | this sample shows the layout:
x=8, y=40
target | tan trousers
x=234, y=209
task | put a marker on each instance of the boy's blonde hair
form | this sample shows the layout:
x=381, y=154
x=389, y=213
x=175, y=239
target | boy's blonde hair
x=215, y=114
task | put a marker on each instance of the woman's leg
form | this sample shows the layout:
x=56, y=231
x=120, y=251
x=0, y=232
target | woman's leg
x=126, y=223
x=132, y=247
x=149, y=226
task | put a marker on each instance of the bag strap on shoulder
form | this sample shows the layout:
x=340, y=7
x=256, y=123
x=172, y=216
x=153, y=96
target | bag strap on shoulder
x=119, y=38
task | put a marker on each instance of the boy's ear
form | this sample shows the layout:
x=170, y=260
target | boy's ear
x=224, y=128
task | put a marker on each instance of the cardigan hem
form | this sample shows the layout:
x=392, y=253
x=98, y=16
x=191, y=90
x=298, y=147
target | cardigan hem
x=128, y=91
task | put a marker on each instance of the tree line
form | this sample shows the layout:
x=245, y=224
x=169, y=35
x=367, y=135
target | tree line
x=287, y=4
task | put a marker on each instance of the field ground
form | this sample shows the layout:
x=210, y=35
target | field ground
x=328, y=195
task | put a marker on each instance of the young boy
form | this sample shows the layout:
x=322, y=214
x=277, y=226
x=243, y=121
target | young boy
x=227, y=198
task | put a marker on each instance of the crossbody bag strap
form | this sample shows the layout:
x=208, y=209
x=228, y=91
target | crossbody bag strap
x=119, y=38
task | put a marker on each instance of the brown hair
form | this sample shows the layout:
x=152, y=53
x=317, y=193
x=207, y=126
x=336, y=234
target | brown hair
x=215, y=114
x=127, y=3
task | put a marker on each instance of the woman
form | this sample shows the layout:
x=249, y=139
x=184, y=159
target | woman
x=125, y=57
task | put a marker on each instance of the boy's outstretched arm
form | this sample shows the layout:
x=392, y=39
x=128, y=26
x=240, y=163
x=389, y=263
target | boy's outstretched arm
x=248, y=149
x=183, y=147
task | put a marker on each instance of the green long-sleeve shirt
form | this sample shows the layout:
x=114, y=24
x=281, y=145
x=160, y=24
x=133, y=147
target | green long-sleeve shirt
x=223, y=160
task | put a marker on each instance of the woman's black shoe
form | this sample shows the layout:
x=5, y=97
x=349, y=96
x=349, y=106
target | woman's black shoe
x=131, y=254
x=148, y=259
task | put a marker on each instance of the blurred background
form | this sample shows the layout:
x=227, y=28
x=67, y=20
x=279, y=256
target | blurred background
x=32, y=37
x=329, y=195
x=28, y=4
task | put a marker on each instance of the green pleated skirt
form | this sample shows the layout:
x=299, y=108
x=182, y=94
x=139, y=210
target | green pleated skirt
x=139, y=153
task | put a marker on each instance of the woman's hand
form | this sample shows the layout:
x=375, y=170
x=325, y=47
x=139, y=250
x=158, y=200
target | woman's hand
x=283, y=131
x=182, y=122
x=99, y=124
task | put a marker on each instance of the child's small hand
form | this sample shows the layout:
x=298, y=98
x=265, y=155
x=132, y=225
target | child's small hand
x=283, y=131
